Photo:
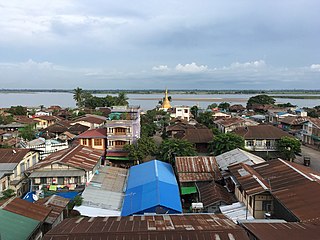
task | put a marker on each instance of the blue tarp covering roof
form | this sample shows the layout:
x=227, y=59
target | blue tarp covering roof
x=69, y=195
x=151, y=188
x=30, y=197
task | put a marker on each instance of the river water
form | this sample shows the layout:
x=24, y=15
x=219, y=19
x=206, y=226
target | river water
x=146, y=101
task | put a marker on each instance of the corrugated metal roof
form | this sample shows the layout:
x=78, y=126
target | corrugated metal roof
x=105, y=191
x=297, y=187
x=14, y=226
x=170, y=227
x=94, y=133
x=10, y=155
x=197, y=168
x=212, y=193
x=236, y=211
x=151, y=185
x=261, y=132
x=78, y=156
x=27, y=209
x=56, y=203
x=57, y=173
x=292, y=231
x=236, y=156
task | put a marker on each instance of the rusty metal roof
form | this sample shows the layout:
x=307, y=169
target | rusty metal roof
x=197, y=168
x=292, y=231
x=170, y=227
x=212, y=193
x=28, y=209
x=10, y=155
x=297, y=187
x=78, y=156
x=261, y=132
x=56, y=203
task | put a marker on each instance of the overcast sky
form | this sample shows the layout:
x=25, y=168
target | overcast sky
x=204, y=44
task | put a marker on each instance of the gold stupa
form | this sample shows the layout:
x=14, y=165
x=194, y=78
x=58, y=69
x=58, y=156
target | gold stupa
x=166, y=102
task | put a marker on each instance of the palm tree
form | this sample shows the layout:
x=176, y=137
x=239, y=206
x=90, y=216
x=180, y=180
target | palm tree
x=78, y=95
x=122, y=99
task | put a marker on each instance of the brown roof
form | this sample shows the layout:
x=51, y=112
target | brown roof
x=226, y=122
x=297, y=187
x=261, y=132
x=236, y=107
x=212, y=193
x=197, y=168
x=77, y=129
x=28, y=209
x=187, y=227
x=294, y=120
x=292, y=231
x=92, y=119
x=56, y=203
x=195, y=135
x=78, y=156
x=9, y=155
x=94, y=133
x=315, y=121
x=47, y=118
x=24, y=119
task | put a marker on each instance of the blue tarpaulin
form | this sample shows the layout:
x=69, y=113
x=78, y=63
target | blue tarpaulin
x=69, y=195
x=30, y=197
x=151, y=188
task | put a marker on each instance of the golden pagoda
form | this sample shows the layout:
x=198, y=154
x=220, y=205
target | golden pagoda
x=166, y=103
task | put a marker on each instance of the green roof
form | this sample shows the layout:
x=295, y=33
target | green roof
x=14, y=226
x=188, y=190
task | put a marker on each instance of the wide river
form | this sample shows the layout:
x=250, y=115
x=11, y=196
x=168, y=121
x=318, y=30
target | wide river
x=146, y=101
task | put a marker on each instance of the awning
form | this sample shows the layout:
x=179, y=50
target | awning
x=188, y=190
x=59, y=173
x=118, y=158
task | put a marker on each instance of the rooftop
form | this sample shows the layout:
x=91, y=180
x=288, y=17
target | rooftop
x=91, y=119
x=78, y=156
x=28, y=209
x=187, y=227
x=292, y=231
x=236, y=156
x=14, y=226
x=12, y=155
x=197, y=168
x=212, y=193
x=94, y=133
x=261, y=132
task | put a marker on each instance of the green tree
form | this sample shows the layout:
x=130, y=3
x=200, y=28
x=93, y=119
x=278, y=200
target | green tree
x=224, y=105
x=171, y=148
x=17, y=110
x=213, y=105
x=261, y=100
x=6, y=119
x=284, y=105
x=78, y=96
x=225, y=142
x=121, y=99
x=206, y=119
x=144, y=147
x=28, y=132
x=288, y=147
x=194, y=111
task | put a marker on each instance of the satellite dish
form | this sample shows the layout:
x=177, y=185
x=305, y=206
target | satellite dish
x=35, y=197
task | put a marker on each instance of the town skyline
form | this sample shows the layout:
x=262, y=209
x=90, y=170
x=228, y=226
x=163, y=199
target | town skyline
x=121, y=45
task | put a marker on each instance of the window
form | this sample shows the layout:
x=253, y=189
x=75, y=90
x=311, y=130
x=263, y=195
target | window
x=37, y=181
x=120, y=143
x=259, y=143
x=97, y=142
x=60, y=180
x=120, y=130
x=249, y=143
x=34, y=159
x=28, y=163
x=22, y=167
x=186, y=111
x=84, y=141
x=43, y=180
x=266, y=206
x=3, y=185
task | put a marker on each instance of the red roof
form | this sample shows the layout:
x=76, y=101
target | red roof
x=94, y=133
